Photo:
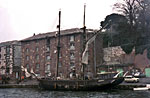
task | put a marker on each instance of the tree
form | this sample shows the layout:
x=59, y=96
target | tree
x=136, y=31
x=111, y=35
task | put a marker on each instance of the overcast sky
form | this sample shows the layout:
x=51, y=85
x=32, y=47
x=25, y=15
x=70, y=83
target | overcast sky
x=19, y=19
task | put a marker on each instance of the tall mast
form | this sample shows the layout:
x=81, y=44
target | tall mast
x=58, y=45
x=84, y=39
x=84, y=27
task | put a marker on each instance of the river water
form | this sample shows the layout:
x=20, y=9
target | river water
x=35, y=93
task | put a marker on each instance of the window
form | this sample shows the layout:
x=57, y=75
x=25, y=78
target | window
x=48, y=45
x=27, y=58
x=37, y=57
x=17, y=75
x=37, y=67
x=47, y=57
x=60, y=64
x=27, y=66
x=60, y=74
x=72, y=56
x=72, y=46
x=47, y=68
x=7, y=49
x=72, y=38
x=0, y=49
x=48, y=42
x=27, y=50
x=71, y=64
x=37, y=49
x=0, y=56
x=48, y=48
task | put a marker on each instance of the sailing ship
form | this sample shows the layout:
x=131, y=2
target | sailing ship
x=97, y=83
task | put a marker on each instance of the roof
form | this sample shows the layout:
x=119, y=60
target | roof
x=52, y=34
x=14, y=42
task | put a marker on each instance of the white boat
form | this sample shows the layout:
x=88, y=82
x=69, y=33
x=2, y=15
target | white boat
x=142, y=88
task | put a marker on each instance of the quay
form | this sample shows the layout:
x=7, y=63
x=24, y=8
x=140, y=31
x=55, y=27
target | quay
x=23, y=84
x=18, y=86
x=121, y=86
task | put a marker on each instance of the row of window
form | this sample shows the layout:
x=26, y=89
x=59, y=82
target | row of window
x=27, y=50
x=72, y=57
x=7, y=49
x=37, y=67
x=47, y=67
x=37, y=57
x=37, y=49
x=72, y=46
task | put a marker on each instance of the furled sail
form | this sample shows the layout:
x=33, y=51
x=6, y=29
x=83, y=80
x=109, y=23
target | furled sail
x=85, y=53
x=27, y=73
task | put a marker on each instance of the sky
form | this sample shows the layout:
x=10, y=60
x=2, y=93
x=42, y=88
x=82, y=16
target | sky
x=20, y=19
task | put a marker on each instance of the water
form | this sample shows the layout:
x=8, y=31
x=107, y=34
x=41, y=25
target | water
x=34, y=93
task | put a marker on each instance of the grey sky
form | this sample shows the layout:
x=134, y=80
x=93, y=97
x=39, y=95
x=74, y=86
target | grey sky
x=21, y=18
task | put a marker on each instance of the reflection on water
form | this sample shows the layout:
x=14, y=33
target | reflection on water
x=34, y=93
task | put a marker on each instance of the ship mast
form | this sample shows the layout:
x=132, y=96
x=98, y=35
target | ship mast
x=58, y=45
x=84, y=27
x=84, y=39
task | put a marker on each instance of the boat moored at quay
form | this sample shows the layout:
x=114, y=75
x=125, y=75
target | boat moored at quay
x=85, y=84
x=80, y=85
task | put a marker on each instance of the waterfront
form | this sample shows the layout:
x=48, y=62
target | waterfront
x=36, y=93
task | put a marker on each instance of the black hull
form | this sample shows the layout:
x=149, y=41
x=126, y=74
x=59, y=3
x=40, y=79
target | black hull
x=79, y=85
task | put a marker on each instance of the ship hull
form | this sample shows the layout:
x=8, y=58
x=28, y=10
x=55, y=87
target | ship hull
x=79, y=85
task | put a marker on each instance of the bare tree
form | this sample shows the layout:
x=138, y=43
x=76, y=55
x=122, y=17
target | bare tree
x=137, y=13
x=144, y=14
x=129, y=9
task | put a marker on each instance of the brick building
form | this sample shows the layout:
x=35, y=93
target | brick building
x=10, y=59
x=39, y=52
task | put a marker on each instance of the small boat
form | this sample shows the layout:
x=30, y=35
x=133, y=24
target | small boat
x=142, y=88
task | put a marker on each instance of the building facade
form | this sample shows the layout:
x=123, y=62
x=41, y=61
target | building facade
x=39, y=52
x=10, y=59
x=116, y=59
